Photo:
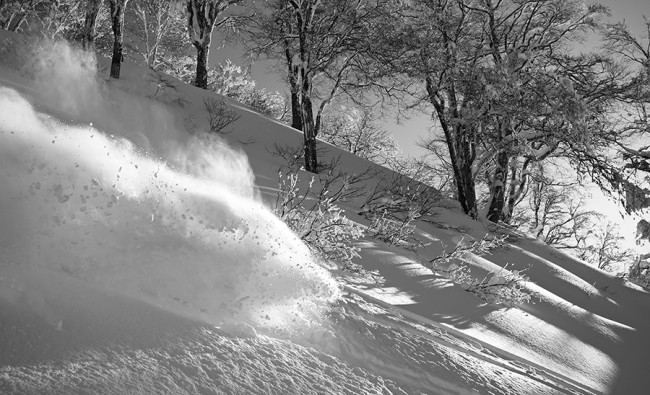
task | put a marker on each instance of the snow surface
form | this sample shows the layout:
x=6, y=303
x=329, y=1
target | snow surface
x=139, y=257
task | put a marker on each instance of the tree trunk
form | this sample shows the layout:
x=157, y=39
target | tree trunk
x=88, y=32
x=464, y=179
x=512, y=193
x=460, y=144
x=201, y=20
x=294, y=86
x=296, y=118
x=461, y=157
x=117, y=16
x=152, y=57
x=311, y=160
x=4, y=20
x=516, y=188
x=15, y=21
x=498, y=188
x=309, y=134
x=296, y=111
x=202, y=53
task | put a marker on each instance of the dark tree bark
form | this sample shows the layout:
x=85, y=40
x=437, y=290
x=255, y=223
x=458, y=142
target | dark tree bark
x=88, y=32
x=201, y=20
x=306, y=108
x=117, y=17
x=320, y=44
x=4, y=19
x=296, y=118
x=517, y=187
x=293, y=77
x=498, y=188
x=16, y=20
x=461, y=145
x=480, y=62
x=309, y=134
x=464, y=178
x=202, y=53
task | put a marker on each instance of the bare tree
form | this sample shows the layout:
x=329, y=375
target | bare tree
x=606, y=247
x=626, y=121
x=220, y=115
x=556, y=213
x=48, y=17
x=54, y=19
x=321, y=43
x=6, y=13
x=117, y=8
x=14, y=13
x=90, y=20
x=202, y=18
x=354, y=129
x=157, y=27
x=498, y=78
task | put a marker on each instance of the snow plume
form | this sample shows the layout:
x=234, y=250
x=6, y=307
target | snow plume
x=67, y=77
x=67, y=84
x=184, y=232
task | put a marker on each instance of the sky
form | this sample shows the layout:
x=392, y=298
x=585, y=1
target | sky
x=409, y=131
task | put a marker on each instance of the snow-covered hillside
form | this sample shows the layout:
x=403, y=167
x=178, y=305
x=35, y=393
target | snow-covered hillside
x=139, y=257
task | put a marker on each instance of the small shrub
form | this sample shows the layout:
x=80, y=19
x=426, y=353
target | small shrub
x=503, y=287
x=395, y=231
x=393, y=205
x=220, y=115
x=315, y=218
x=499, y=288
x=291, y=154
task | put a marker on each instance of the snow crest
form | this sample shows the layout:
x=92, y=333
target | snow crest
x=184, y=232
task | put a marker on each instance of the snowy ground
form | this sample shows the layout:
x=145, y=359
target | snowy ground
x=138, y=258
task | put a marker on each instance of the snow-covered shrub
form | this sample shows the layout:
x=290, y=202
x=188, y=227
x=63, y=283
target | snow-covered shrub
x=401, y=194
x=393, y=205
x=503, y=287
x=235, y=81
x=229, y=80
x=317, y=220
x=395, y=230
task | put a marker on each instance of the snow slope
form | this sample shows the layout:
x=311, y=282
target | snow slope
x=138, y=256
